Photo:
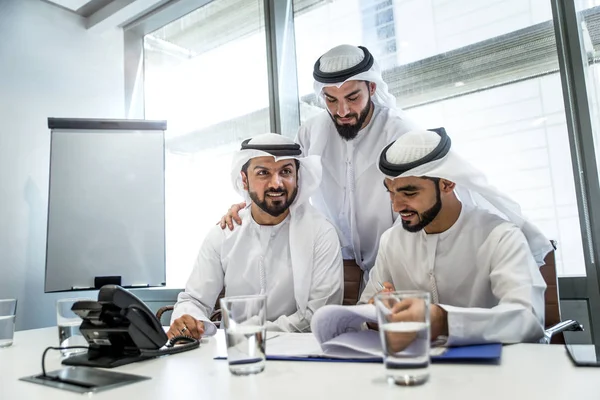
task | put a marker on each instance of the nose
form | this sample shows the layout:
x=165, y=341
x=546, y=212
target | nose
x=343, y=109
x=276, y=181
x=397, y=203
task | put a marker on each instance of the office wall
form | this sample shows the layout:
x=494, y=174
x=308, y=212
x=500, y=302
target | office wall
x=50, y=66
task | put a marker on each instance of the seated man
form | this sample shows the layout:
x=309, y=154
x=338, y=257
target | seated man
x=462, y=241
x=284, y=248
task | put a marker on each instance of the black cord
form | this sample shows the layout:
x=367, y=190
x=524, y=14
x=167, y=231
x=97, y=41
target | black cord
x=56, y=348
x=180, y=339
x=189, y=344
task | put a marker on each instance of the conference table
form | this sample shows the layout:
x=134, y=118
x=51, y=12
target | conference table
x=526, y=371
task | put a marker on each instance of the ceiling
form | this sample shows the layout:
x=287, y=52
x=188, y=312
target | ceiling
x=85, y=8
x=108, y=14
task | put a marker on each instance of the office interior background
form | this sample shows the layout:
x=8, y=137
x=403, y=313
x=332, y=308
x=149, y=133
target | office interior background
x=220, y=71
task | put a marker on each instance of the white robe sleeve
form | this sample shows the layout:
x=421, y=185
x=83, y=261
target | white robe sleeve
x=327, y=284
x=378, y=274
x=517, y=284
x=302, y=138
x=205, y=283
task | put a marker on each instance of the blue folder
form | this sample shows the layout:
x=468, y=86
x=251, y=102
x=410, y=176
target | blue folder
x=481, y=353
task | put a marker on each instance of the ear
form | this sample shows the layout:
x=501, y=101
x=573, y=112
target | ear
x=372, y=88
x=446, y=186
x=244, y=181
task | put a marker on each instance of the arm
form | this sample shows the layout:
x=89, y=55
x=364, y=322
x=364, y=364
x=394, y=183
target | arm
x=519, y=287
x=327, y=284
x=302, y=139
x=379, y=276
x=205, y=283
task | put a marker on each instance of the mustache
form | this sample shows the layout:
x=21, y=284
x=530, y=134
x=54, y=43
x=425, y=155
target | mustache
x=278, y=190
x=353, y=115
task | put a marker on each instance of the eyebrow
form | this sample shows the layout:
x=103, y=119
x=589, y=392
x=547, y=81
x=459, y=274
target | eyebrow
x=408, y=188
x=353, y=93
x=261, y=167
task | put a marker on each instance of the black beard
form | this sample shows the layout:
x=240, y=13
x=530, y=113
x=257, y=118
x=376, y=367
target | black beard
x=426, y=217
x=349, y=132
x=278, y=207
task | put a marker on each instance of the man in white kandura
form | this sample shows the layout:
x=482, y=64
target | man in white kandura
x=284, y=249
x=463, y=241
x=361, y=118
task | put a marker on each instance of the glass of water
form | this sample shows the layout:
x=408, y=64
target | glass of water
x=403, y=318
x=68, y=327
x=244, y=320
x=8, y=311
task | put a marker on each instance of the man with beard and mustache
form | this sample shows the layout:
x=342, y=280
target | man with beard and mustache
x=461, y=240
x=285, y=248
x=361, y=118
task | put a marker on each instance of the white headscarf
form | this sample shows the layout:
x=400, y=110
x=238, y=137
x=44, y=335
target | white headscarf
x=472, y=187
x=346, y=56
x=301, y=212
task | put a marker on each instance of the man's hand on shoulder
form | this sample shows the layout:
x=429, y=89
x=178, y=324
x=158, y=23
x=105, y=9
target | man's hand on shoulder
x=186, y=325
x=232, y=215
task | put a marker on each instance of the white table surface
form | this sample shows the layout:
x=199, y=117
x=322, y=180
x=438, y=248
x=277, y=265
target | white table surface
x=527, y=371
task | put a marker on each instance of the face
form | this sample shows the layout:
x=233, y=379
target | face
x=417, y=200
x=349, y=106
x=272, y=185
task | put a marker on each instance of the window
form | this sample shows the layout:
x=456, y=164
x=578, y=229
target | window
x=588, y=12
x=488, y=72
x=206, y=74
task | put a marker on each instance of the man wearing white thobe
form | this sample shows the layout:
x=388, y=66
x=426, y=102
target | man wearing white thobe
x=284, y=249
x=462, y=241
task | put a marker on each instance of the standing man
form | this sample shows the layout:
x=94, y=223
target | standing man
x=284, y=249
x=360, y=119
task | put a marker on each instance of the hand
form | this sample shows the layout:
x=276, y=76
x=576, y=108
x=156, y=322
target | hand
x=438, y=318
x=408, y=310
x=387, y=287
x=186, y=325
x=232, y=215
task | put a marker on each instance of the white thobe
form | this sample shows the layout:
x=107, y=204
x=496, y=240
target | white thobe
x=481, y=271
x=351, y=194
x=255, y=259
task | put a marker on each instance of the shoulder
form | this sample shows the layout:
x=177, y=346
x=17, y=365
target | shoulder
x=483, y=220
x=394, y=237
x=396, y=123
x=321, y=226
x=226, y=234
x=316, y=122
x=494, y=230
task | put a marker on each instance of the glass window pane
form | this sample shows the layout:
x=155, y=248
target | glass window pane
x=485, y=70
x=206, y=74
x=588, y=15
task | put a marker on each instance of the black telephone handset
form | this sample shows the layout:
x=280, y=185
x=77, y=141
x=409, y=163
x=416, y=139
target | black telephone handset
x=121, y=329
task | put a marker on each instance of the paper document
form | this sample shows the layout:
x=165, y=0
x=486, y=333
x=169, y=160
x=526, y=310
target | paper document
x=338, y=333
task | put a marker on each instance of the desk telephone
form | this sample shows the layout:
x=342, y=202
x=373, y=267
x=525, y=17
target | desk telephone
x=121, y=329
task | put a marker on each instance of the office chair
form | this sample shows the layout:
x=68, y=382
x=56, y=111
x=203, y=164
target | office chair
x=553, y=334
x=353, y=277
x=215, y=317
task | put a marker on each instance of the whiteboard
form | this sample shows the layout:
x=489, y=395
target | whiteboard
x=106, y=205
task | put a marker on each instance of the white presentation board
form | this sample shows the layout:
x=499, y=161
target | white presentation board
x=106, y=203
